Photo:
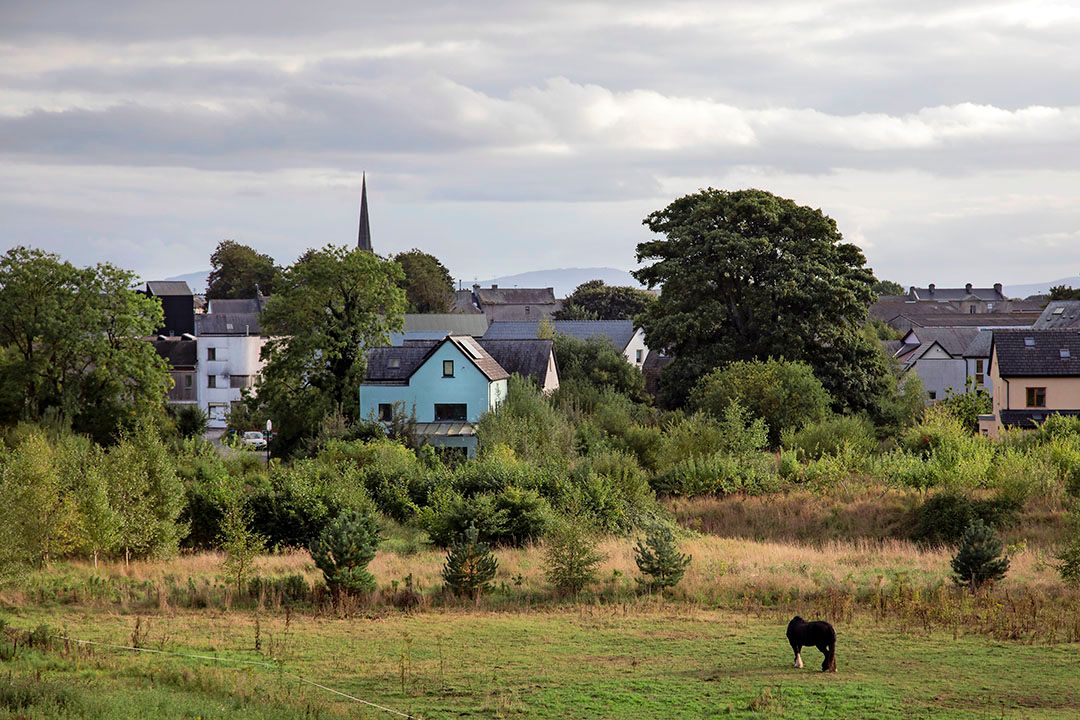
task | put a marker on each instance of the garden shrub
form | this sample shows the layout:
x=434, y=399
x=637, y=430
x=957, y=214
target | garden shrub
x=980, y=559
x=570, y=557
x=945, y=516
x=344, y=549
x=831, y=435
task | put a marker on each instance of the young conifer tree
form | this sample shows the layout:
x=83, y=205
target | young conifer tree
x=659, y=559
x=470, y=565
x=980, y=560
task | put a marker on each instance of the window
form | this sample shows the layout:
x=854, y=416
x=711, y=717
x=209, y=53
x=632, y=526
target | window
x=386, y=412
x=971, y=310
x=980, y=373
x=1029, y=341
x=526, y=309
x=448, y=368
x=211, y=381
x=933, y=395
x=394, y=363
x=240, y=381
x=211, y=354
x=187, y=380
x=639, y=355
x=450, y=411
x=1065, y=353
x=1036, y=397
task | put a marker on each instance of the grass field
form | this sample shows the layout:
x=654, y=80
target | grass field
x=589, y=661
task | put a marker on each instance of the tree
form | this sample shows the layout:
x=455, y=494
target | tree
x=344, y=549
x=470, y=565
x=968, y=406
x=596, y=362
x=329, y=306
x=427, y=283
x=1064, y=292
x=1069, y=555
x=72, y=347
x=887, y=287
x=191, y=421
x=82, y=468
x=658, y=557
x=784, y=394
x=593, y=300
x=570, y=557
x=980, y=559
x=240, y=543
x=749, y=275
x=239, y=272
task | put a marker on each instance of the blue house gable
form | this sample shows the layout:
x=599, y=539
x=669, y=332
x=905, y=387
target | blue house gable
x=447, y=385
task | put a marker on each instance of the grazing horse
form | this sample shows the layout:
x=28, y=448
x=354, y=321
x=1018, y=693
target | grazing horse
x=820, y=634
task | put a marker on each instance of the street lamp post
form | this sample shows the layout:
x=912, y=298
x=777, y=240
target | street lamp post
x=269, y=430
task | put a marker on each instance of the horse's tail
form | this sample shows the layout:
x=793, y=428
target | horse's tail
x=830, y=658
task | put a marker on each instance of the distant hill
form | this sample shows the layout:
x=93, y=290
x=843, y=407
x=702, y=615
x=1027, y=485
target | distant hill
x=563, y=280
x=197, y=281
x=1022, y=291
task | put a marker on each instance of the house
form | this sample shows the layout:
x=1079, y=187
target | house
x=1035, y=373
x=177, y=303
x=436, y=326
x=446, y=385
x=936, y=355
x=968, y=299
x=1059, y=315
x=515, y=304
x=622, y=334
x=182, y=356
x=953, y=307
x=977, y=357
x=531, y=359
x=230, y=341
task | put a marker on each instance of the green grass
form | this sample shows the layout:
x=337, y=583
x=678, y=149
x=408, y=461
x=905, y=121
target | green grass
x=586, y=662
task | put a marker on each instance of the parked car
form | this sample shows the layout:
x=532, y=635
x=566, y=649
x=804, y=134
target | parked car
x=253, y=440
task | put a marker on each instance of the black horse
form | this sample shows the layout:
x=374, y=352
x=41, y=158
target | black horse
x=820, y=634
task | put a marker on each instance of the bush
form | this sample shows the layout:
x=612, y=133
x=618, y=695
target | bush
x=831, y=436
x=470, y=566
x=1069, y=556
x=967, y=406
x=786, y=395
x=344, y=549
x=659, y=559
x=946, y=516
x=191, y=421
x=570, y=557
x=597, y=362
x=718, y=473
x=513, y=516
x=954, y=456
x=527, y=423
x=980, y=559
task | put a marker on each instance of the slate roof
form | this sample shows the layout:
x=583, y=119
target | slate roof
x=619, y=332
x=515, y=296
x=464, y=303
x=953, y=294
x=448, y=323
x=178, y=352
x=1042, y=358
x=1059, y=315
x=411, y=356
x=218, y=323
x=980, y=346
x=528, y=358
x=984, y=320
x=163, y=288
x=245, y=305
x=953, y=340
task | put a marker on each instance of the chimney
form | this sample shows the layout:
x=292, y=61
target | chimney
x=475, y=287
x=494, y=286
x=931, y=288
x=967, y=288
x=998, y=289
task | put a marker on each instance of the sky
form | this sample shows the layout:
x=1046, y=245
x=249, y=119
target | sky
x=943, y=137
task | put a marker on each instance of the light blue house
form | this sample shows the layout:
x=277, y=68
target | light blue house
x=447, y=385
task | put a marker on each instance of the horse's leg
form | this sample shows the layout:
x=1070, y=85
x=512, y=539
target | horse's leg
x=798, y=655
x=829, y=663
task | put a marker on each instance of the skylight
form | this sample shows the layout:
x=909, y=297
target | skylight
x=470, y=346
x=395, y=362
x=1065, y=354
x=1029, y=341
x=1059, y=310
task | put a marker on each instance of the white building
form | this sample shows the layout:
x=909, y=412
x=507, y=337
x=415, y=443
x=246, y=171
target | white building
x=229, y=344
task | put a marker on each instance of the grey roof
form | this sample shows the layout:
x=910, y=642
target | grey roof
x=1059, y=315
x=227, y=324
x=980, y=346
x=515, y=296
x=445, y=429
x=619, y=332
x=464, y=302
x=162, y=288
x=953, y=340
x=178, y=352
x=1042, y=357
x=448, y=323
x=953, y=294
x=528, y=358
x=245, y=305
x=977, y=320
x=411, y=356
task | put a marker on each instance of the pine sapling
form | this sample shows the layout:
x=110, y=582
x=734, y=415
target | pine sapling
x=470, y=565
x=980, y=560
x=344, y=549
x=659, y=559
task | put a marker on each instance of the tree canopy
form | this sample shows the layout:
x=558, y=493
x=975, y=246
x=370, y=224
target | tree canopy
x=749, y=275
x=239, y=271
x=427, y=283
x=329, y=306
x=596, y=362
x=72, y=345
x=593, y=300
x=1063, y=292
x=887, y=287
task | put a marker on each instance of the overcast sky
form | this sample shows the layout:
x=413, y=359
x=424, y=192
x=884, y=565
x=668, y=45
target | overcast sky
x=944, y=137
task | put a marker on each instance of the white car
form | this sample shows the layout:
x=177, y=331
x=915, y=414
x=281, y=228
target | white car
x=253, y=440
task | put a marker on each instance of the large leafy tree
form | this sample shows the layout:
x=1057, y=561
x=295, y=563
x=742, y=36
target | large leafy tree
x=427, y=283
x=595, y=362
x=593, y=300
x=329, y=306
x=239, y=271
x=888, y=287
x=749, y=275
x=72, y=347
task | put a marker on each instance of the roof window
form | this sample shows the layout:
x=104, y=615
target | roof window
x=1065, y=354
x=394, y=362
x=1059, y=310
x=1029, y=341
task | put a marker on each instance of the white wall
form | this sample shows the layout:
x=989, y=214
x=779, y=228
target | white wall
x=636, y=343
x=234, y=356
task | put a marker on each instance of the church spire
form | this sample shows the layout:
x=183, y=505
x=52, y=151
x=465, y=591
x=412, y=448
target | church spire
x=364, y=238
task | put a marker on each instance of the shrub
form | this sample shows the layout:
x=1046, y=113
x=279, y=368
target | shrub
x=786, y=395
x=1063, y=453
x=527, y=423
x=945, y=516
x=659, y=559
x=1057, y=427
x=721, y=473
x=470, y=565
x=831, y=436
x=980, y=560
x=240, y=544
x=513, y=516
x=954, y=456
x=1069, y=556
x=967, y=406
x=191, y=421
x=597, y=362
x=344, y=549
x=570, y=557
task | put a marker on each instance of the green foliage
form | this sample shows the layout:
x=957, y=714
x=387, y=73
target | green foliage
x=659, y=559
x=191, y=421
x=749, y=275
x=240, y=272
x=831, y=436
x=980, y=559
x=598, y=363
x=344, y=549
x=240, y=543
x=570, y=557
x=511, y=516
x=1069, y=554
x=527, y=423
x=39, y=513
x=887, y=287
x=968, y=406
x=426, y=281
x=72, y=347
x=953, y=456
x=329, y=306
x=470, y=565
x=593, y=300
x=945, y=516
x=1064, y=292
